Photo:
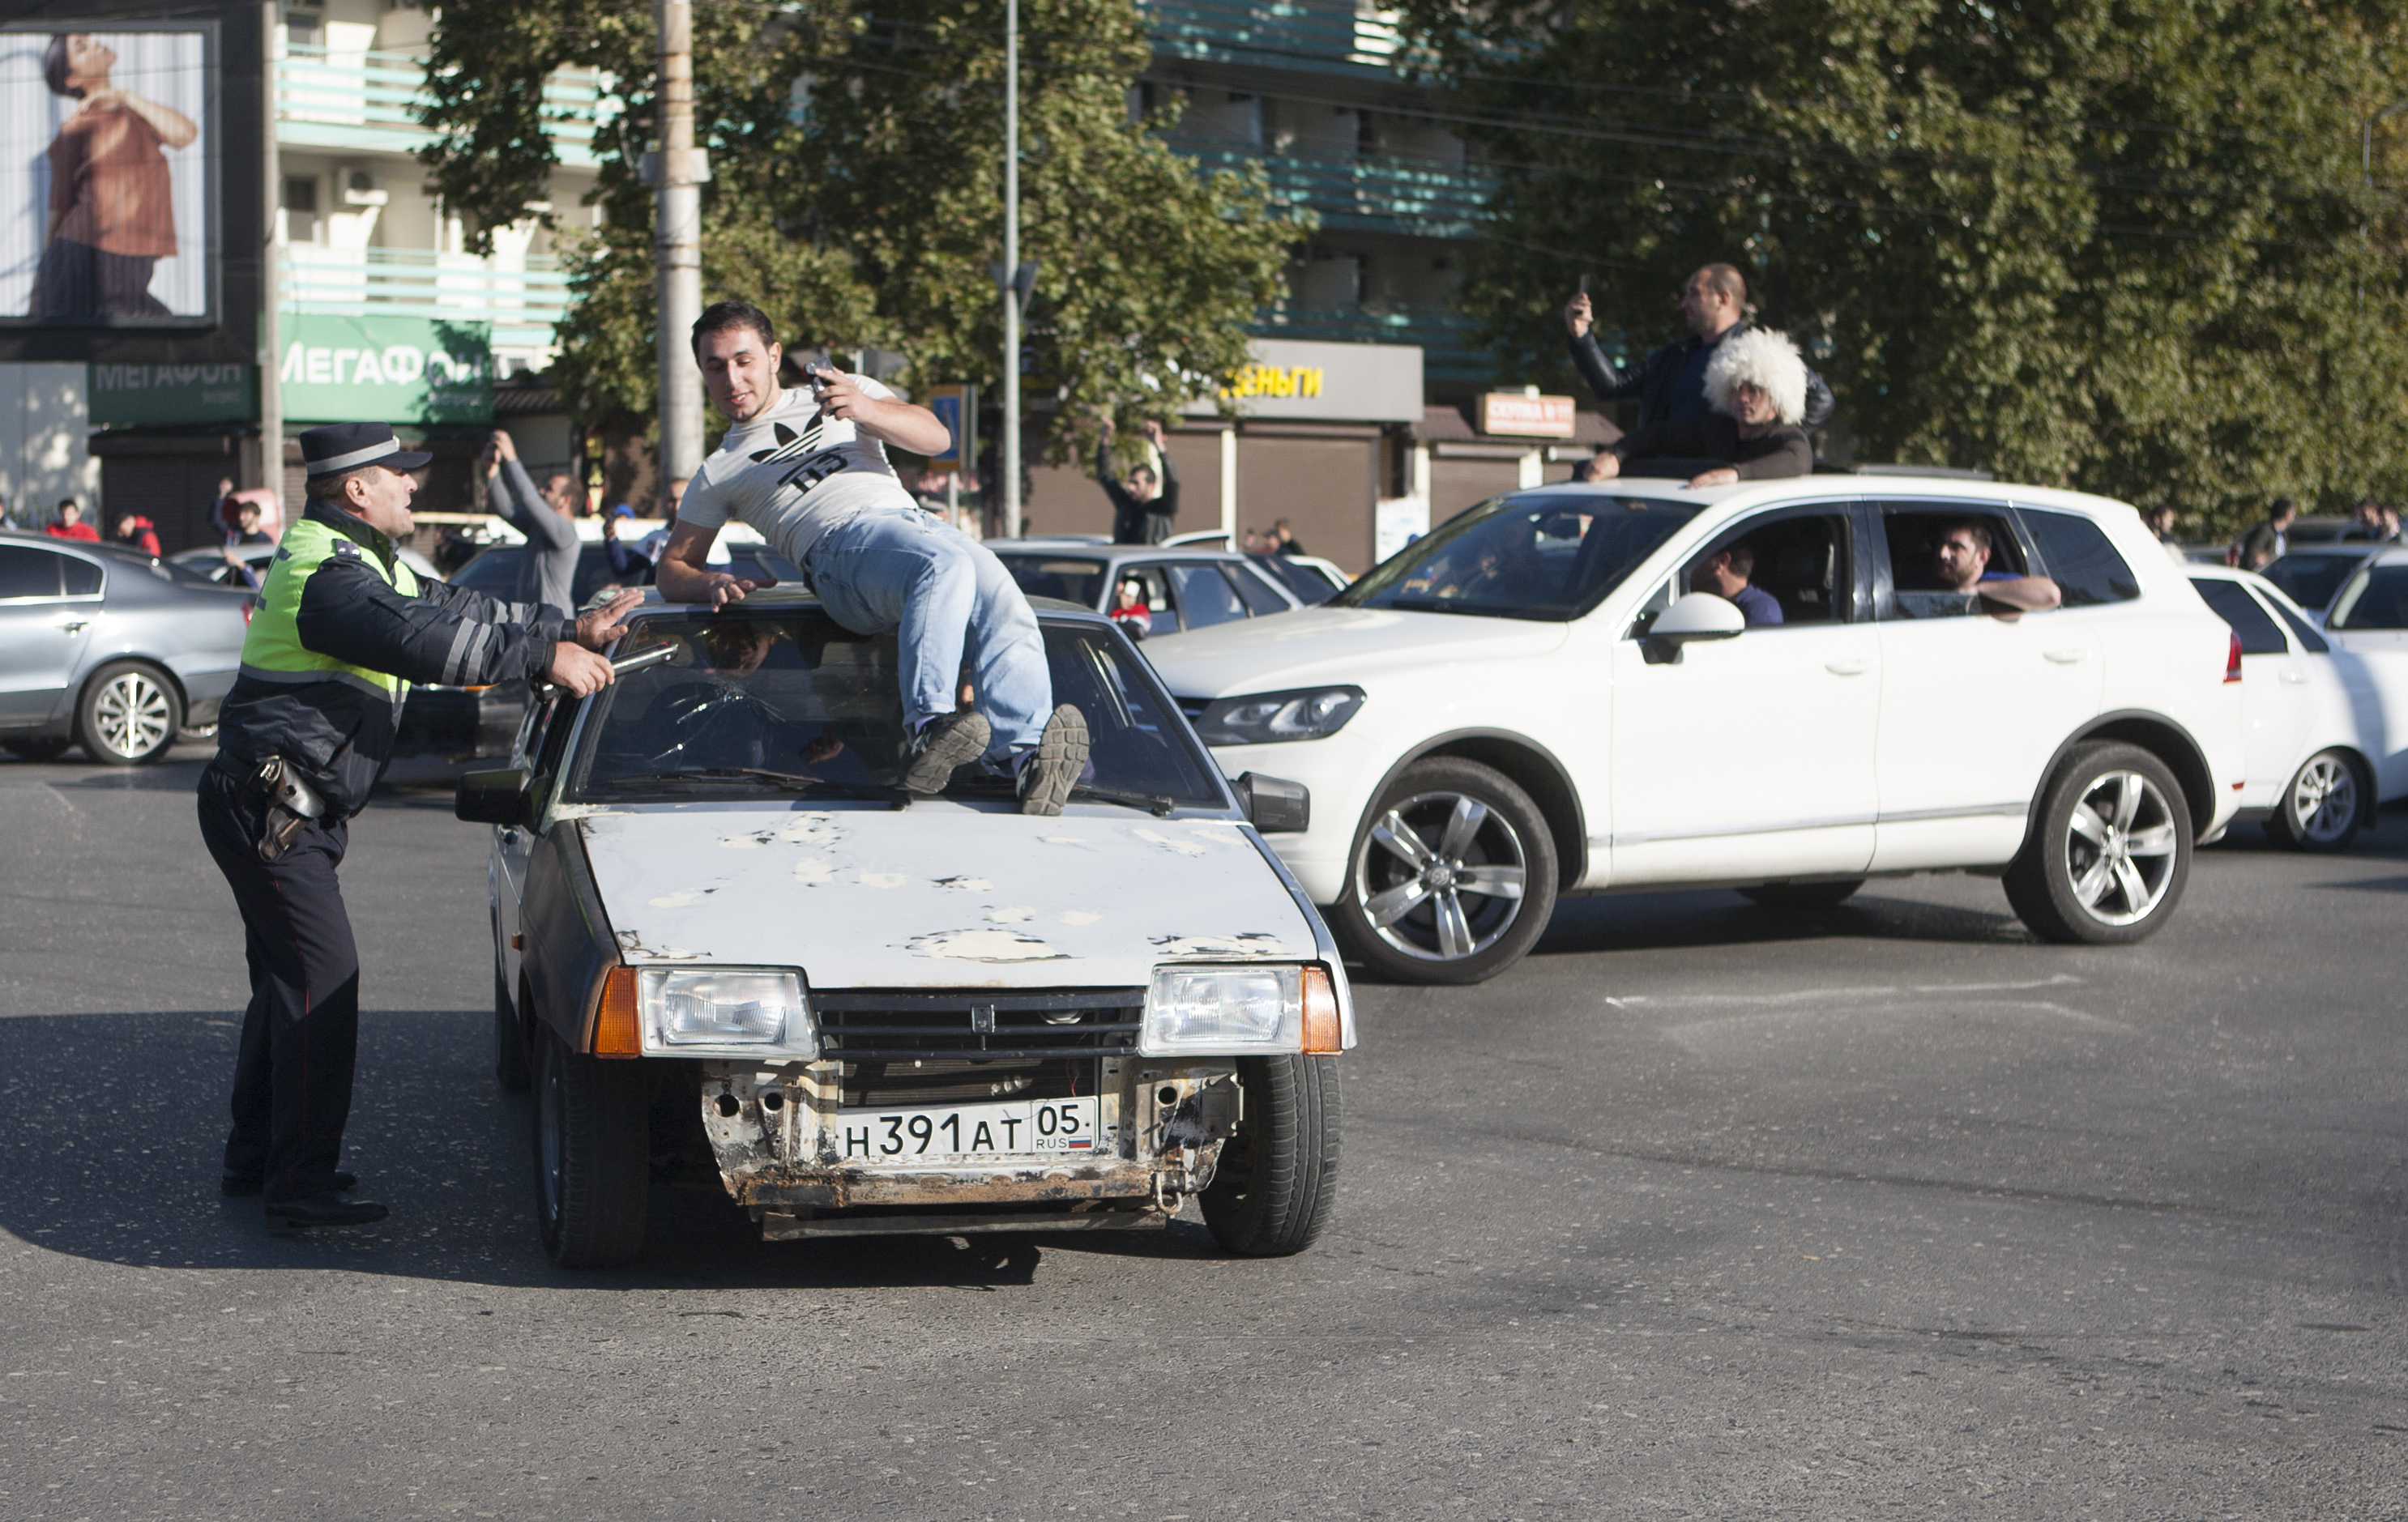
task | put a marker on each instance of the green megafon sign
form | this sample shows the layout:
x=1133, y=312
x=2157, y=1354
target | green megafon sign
x=386, y=369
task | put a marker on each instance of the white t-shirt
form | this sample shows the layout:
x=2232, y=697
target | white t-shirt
x=794, y=474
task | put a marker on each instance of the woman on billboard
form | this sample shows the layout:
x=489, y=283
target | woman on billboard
x=112, y=215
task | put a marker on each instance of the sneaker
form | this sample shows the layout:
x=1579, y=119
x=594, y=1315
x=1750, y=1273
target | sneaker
x=944, y=743
x=1048, y=773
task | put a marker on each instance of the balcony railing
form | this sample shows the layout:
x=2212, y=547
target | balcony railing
x=1443, y=335
x=1344, y=36
x=523, y=305
x=1420, y=196
x=365, y=100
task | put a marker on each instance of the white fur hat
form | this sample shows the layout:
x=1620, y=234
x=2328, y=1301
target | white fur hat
x=1759, y=356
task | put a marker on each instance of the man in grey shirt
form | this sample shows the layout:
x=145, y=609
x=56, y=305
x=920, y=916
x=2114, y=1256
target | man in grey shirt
x=548, y=519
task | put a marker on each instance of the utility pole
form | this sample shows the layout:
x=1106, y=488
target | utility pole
x=1009, y=276
x=271, y=273
x=676, y=246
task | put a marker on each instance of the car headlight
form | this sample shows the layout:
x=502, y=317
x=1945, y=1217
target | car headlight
x=1312, y=713
x=1219, y=1010
x=704, y=1010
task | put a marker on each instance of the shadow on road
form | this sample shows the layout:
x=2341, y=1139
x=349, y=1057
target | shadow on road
x=110, y=1148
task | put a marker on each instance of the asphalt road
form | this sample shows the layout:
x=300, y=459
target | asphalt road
x=1703, y=1211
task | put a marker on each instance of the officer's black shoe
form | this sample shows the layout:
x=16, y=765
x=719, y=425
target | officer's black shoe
x=248, y=1186
x=325, y=1210
x=944, y=743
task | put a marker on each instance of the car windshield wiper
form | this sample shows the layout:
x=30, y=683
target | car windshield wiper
x=791, y=781
x=1153, y=803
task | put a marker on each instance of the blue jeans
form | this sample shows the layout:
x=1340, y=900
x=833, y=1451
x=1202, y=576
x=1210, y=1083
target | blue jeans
x=945, y=596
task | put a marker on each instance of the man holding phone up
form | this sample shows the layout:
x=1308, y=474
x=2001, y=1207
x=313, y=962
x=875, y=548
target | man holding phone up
x=808, y=469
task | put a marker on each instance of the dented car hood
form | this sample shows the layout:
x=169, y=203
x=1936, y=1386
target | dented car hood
x=941, y=895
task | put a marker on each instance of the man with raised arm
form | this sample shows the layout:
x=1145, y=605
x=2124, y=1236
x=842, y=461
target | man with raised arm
x=808, y=470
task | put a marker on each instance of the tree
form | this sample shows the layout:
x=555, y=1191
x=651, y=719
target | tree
x=2123, y=245
x=856, y=161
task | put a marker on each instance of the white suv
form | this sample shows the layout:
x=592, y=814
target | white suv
x=1531, y=700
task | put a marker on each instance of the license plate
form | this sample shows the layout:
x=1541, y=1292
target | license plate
x=969, y=1132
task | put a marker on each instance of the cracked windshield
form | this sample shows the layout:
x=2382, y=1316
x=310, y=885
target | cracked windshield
x=748, y=703
x=1545, y=557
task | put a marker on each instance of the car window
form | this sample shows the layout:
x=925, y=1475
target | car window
x=1914, y=535
x=1798, y=559
x=1156, y=584
x=2305, y=632
x=27, y=571
x=2310, y=580
x=2259, y=634
x=2376, y=600
x=1070, y=579
x=1261, y=599
x=1526, y=556
x=1312, y=584
x=793, y=693
x=495, y=573
x=2074, y=553
x=1205, y=597
x=82, y=577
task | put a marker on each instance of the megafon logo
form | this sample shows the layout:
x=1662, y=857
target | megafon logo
x=397, y=364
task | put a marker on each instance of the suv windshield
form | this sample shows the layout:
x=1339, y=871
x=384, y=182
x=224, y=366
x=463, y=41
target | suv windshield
x=1523, y=557
x=759, y=702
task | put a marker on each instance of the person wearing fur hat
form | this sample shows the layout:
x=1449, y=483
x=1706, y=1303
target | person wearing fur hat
x=1670, y=382
x=1757, y=384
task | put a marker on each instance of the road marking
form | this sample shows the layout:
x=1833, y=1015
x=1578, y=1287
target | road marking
x=1801, y=996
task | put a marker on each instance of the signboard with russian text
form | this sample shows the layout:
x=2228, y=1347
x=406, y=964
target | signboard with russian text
x=128, y=395
x=1519, y=415
x=1290, y=379
x=386, y=369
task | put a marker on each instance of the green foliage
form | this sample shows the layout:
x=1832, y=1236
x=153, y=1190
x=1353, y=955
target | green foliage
x=857, y=193
x=2121, y=244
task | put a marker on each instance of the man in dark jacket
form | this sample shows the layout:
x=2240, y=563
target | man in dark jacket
x=1143, y=508
x=337, y=633
x=1670, y=382
x=2270, y=538
x=547, y=518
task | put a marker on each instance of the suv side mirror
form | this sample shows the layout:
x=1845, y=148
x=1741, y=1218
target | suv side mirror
x=1698, y=616
x=492, y=797
x=1274, y=803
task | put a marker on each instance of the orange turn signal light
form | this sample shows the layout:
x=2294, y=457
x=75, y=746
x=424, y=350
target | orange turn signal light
x=615, y=1033
x=1323, y=1031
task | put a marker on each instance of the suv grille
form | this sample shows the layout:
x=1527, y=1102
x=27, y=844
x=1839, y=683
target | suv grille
x=936, y=1049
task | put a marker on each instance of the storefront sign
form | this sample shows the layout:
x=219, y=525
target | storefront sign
x=386, y=369
x=1330, y=382
x=1519, y=415
x=126, y=396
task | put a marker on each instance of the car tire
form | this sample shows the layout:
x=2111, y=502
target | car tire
x=509, y=1040
x=128, y=715
x=48, y=747
x=2110, y=851
x=1441, y=823
x=2324, y=805
x=1802, y=896
x=593, y=1155
x=1278, y=1177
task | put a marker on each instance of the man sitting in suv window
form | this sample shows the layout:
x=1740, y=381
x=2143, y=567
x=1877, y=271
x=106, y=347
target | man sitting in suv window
x=1962, y=557
x=1724, y=573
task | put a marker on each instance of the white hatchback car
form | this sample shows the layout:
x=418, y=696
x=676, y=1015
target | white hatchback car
x=2321, y=753
x=1531, y=700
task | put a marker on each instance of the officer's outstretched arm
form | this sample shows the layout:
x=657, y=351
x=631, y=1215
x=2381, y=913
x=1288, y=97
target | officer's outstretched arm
x=351, y=613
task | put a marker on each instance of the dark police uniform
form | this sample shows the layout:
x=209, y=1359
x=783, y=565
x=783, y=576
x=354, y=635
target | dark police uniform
x=338, y=631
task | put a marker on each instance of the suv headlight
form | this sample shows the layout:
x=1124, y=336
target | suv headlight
x=1309, y=712
x=1207, y=1011
x=703, y=1011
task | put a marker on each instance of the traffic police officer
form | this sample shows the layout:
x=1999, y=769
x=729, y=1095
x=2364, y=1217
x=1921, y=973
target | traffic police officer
x=338, y=631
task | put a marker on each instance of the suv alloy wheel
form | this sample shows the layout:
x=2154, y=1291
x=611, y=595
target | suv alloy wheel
x=2109, y=848
x=2323, y=805
x=1451, y=878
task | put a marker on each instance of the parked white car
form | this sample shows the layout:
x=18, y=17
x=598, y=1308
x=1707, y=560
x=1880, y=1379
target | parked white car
x=1532, y=700
x=2320, y=752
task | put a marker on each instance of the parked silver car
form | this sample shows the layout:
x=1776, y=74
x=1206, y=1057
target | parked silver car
x=1183, y=589
x=108, y=648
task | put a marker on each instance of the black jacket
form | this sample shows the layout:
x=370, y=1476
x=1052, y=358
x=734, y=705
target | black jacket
x=1136, y=522
x=1691, y=448
x=1652, y=378
x=337, y=733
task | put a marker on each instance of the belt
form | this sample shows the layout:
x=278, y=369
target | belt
x=276, y=777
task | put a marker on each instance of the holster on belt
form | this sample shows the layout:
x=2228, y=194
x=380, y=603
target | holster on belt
x=292, y=804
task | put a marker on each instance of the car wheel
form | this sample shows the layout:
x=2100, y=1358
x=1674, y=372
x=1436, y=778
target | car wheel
x=593, y=1155
x=129, y=714
x=1451, y=878
x=1278, y=1175
x=510, y=1039
x=1802, y=895
x=47, y=747
x=2110, y=852
x=2324, y=806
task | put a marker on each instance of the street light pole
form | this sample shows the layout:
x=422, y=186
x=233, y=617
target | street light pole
x=676, y=248
x=1009, y=279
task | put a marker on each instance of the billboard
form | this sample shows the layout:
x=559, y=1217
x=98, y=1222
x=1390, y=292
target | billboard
x=108, y=171
x=386, y=369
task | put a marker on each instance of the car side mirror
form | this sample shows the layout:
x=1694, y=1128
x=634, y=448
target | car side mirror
x=1274, y=803
x=1698, y=616
x=492, y=797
